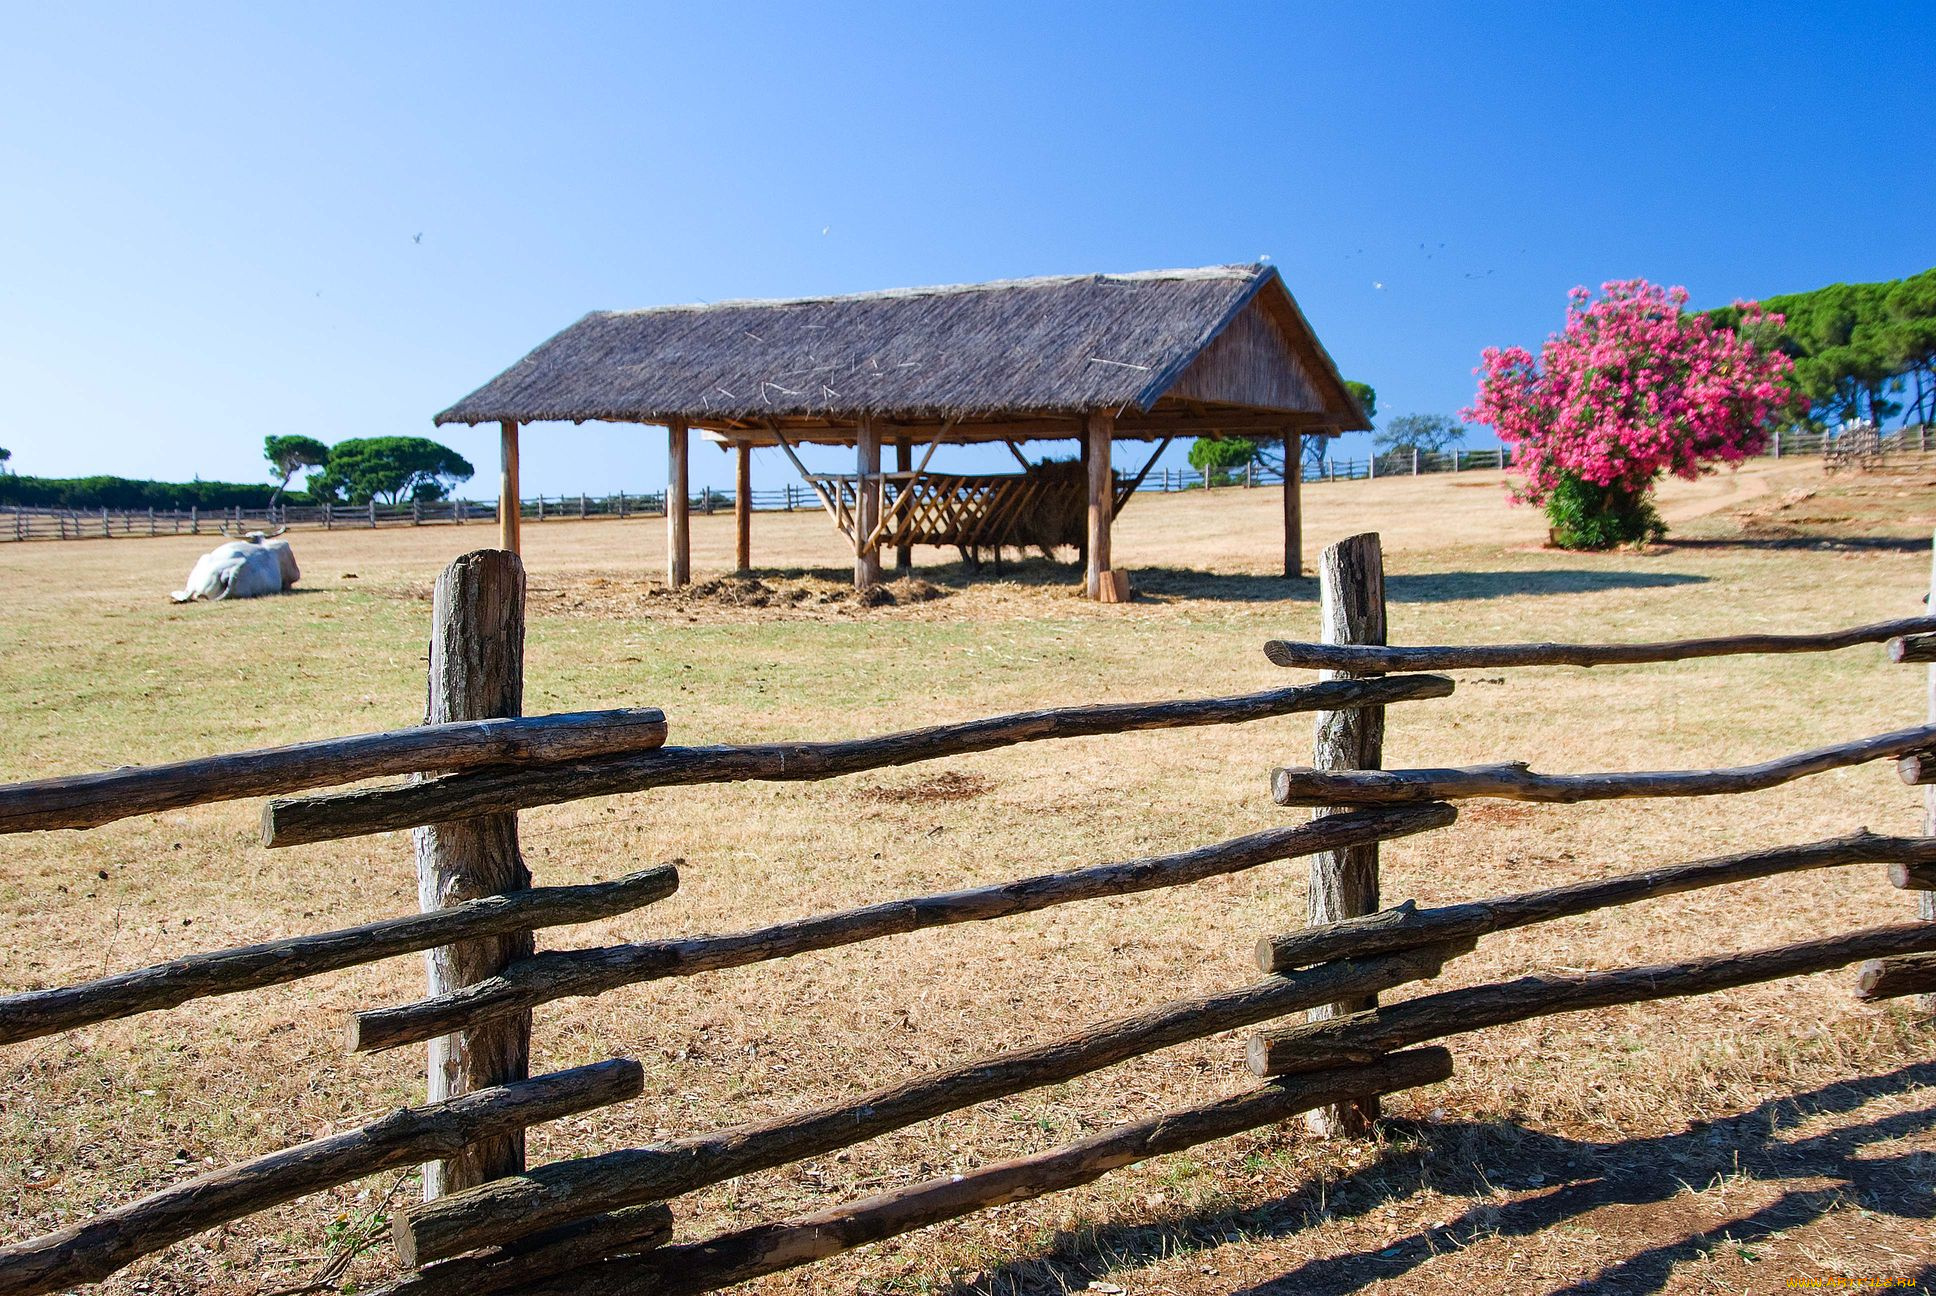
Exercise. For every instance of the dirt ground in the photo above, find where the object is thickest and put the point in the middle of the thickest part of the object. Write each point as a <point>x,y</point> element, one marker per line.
<point>1753,1141</point>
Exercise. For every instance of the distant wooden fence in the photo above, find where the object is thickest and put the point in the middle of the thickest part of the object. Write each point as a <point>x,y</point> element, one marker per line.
<point>20,522</point>
<point>601,1223</point>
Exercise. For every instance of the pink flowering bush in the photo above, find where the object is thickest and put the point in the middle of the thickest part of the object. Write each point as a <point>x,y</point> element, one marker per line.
<point>1630,390</point>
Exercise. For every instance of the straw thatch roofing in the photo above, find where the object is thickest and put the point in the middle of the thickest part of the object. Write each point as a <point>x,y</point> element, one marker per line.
<point>1009,358</point>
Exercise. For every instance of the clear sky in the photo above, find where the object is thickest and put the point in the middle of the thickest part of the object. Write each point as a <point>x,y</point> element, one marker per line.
<point>221,222</point>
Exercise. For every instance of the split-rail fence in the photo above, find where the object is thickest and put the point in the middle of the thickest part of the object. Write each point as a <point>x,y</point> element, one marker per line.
<point>603,1223</point>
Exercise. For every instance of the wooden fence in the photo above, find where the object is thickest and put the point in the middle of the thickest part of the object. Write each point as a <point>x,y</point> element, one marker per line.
<point>21,522</point>
<point>602,1223</point>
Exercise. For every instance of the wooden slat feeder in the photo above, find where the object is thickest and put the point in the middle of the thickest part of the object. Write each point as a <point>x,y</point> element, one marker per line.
<point>1044,508</point>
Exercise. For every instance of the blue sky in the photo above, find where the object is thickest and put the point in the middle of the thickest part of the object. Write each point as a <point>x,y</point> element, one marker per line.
<point>209,215</point>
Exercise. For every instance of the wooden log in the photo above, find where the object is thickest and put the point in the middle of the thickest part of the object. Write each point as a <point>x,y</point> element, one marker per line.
<point>510,535</point>
<point>1913,877</point>
<point>35,1013</point>
<point>1918,769</point>
<point>476,673</point>
<point>1913,648</point>
<point>1513,781</point>
<point>1407,925</point>
<point>560,974</point>
<point>95,1248</point>
<point>1098,431</point>
<point>1344,883</point>
<point>720,1262</point>
<point>90,800</point>
<point>350,814</point>
<point>600,1238</point>
<point>1318,1045</point>
<point>1369,660</point>
<point>1892,978</point>
<point>563,1190</point>
<point>678,507</point>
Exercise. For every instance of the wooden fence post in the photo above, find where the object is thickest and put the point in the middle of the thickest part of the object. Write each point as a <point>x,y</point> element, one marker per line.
<point>476,673</point>
<point>1926,900</point>
<point>1344,883</point>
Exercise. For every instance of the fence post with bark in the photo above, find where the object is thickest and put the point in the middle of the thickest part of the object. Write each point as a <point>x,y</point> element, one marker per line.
<point>476,673</point>
<point>1344,883</point>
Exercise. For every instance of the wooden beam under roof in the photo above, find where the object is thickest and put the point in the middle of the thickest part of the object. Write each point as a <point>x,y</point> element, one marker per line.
<point>1156,425</point>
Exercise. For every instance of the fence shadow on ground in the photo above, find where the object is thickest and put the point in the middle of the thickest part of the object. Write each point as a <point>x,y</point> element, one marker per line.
<point>1572,1178</point>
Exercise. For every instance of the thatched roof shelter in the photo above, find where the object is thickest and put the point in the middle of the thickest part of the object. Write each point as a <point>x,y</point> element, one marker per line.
<point>1222,350</point>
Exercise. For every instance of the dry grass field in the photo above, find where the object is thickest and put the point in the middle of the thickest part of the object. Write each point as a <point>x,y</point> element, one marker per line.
<point>1741,1142</point>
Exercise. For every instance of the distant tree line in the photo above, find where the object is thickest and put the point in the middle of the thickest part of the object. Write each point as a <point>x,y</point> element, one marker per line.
<point>1860,350</point>
<point>389,470</point>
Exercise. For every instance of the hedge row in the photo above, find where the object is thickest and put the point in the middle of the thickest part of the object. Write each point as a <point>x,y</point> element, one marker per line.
<point>127,493</point>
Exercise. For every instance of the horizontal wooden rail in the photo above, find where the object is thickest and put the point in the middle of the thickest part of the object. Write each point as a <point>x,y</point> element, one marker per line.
<point>559,974</point>
<point>1892,978</point>
<point>720,1262</point>
<point>93,1249</point>
<point>593,1240</point>
<point>1406,925</point>
<point>495,1212</point>
<point>1513,781</point>
<point>1368,659</point>
<point>464,796</point>
<point>90,800</point>
<point>1913,648</point>
<point>1345,1040</point>
<point>196,976</point>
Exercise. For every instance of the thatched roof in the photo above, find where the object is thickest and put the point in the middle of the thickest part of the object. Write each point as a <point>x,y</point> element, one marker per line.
<point>980,353</point>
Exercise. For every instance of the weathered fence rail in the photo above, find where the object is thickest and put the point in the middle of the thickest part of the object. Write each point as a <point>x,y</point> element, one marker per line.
<point>90,1251</point>
<point>1378,659</point>
<point>251,967</point>
<point>1513,781</point>
<point>296,821</point>
<point>1344,1040</point>
<point>601,1223</point>
<point>735,1257</point>
<point>90,800</point>
<point>561,974</point>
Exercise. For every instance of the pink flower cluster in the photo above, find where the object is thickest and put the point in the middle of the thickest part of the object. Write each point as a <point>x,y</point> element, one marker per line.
<point>1633,388</point>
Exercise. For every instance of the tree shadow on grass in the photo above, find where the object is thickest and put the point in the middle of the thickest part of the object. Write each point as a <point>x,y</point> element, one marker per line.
<point>1567,1178</point>
<point>1824,543</point>
<point>1181,584</point>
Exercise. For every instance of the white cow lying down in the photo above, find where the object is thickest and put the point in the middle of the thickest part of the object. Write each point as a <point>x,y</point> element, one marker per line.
<point>246,568</point>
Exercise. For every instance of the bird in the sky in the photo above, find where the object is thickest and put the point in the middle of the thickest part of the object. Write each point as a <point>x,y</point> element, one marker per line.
<point>417,237</point>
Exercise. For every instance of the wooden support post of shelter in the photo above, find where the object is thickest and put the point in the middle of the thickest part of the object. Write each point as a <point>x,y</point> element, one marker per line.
<point>678,506</point>
<point>1344,883</point>
<point>742,507</point>
<point>1293,503</point>
<point>508,536</point>
<point>1098,430</point>
<point>867,503</point>
<point>476,673</point>
<point>904,465</point>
